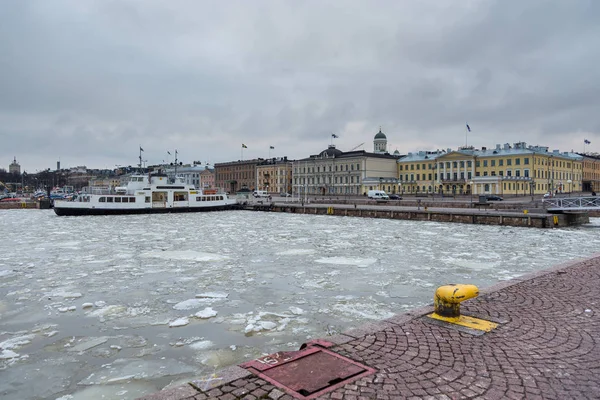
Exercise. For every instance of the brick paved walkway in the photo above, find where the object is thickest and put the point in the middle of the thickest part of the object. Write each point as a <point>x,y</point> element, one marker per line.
<point>547,348</point>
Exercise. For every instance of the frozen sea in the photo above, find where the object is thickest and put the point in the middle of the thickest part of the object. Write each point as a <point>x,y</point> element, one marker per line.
<point>121,306</point>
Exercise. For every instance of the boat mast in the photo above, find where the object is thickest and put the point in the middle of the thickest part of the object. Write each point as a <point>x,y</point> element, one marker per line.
<point>140,164</point>
<point>175,177</point>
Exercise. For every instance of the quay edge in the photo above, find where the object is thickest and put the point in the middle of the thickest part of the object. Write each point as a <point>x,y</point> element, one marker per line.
<point>464,216</point>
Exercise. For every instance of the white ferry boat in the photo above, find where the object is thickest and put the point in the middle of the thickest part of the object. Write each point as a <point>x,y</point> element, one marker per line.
<point>144,194</point>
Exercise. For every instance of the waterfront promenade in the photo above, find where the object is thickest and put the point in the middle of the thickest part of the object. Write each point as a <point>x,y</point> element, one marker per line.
<point>546,346</point>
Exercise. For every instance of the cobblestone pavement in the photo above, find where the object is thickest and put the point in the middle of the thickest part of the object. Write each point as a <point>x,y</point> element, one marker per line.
<point>547,348</point>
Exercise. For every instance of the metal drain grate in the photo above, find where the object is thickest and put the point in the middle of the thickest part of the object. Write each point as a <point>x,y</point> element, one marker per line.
<point>309,372</point>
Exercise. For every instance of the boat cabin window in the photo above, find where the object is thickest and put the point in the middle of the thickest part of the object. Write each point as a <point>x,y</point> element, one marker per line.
<point>102,199</point>
<point>117,199</point>
<point>147,199</point>
<point>132,199</point>
<point>180,196</point>
<point>109,199</point>
<point>125,199</point>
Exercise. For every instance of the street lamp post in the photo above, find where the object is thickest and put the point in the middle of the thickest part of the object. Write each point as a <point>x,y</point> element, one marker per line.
<point>570,182</point>
<point>471,190</point>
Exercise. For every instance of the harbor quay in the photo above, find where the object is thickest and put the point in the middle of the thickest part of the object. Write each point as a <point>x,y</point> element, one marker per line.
<point>537,339</point>
<point>487,214</point>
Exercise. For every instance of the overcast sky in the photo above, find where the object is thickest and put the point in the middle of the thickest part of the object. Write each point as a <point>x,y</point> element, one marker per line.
<point>88,82</point>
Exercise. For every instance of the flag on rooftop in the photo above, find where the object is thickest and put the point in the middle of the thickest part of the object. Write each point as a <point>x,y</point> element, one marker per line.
<point>334,135</point>
<point>272,147</point>
<point>468,128</point>
<point>141,148</point>
<point>587,141</point>
<point>244,146</point>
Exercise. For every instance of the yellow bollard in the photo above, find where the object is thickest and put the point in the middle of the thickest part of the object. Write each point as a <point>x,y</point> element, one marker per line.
<point>525,212</point>
<point>447,306</point>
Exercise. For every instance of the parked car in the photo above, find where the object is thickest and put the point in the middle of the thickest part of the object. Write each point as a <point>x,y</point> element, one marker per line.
<point>547,195</point>
<point>395,197</point>
<point>493,197</point>
<point>285,195</point>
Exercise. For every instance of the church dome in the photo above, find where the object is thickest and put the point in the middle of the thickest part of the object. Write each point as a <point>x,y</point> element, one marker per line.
<point>396,153</point>
<point>380,135</point>
<point>331,152</point>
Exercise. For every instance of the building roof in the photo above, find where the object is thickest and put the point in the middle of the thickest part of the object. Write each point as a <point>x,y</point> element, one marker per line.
<point>520,148</point>
<point>332,152</point>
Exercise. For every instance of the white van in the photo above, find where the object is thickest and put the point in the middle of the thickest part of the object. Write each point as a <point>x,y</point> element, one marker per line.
<point>260,193</point>
<point>377,195</point>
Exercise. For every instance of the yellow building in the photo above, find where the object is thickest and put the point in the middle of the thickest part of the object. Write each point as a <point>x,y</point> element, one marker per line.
<point>591,173</point>
<point>417,172</point>
<point>274,175</point>
<point>504,170</point>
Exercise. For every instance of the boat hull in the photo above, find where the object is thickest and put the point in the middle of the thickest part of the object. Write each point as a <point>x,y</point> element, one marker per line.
<point>71,211</point>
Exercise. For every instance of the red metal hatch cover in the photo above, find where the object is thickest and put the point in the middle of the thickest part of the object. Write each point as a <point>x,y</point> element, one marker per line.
<point>309,372</point>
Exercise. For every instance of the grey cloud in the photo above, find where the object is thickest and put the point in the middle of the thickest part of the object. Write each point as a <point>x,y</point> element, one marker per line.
<point>96,79</point>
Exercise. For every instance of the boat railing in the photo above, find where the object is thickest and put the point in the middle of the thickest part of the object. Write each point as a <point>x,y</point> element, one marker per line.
<point>100,190</point>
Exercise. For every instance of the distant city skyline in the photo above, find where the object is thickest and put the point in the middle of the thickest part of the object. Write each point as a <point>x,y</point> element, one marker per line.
<point>90,82</point>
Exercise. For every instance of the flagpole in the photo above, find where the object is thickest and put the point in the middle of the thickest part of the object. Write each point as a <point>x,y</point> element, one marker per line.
<point>466,135</point>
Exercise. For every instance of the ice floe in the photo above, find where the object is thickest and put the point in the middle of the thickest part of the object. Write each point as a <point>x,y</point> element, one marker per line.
<point>359,262</point>
<point>208,312</point>
<point>179,322</point>
<point>186,255</point>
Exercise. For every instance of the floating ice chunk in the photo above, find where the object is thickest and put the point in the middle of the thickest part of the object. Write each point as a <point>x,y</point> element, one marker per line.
<point>16,342</point>
<point>296,252</point>
<point>87,305</point>
<point>133,391</point>
<point>88,343</point>
<point>8,354</point>
<point>66,295</point>
<point>6,272</point>
<point>208,312</point>
<point>233,347</point>
<point>183,321</point>
<point>359,262</point>
<point>189,304</point>
<point>124,370</point>
<point>362,310</point>
<point>108,311</point>
<point>100,303</point>
<point>185,255</point>
<point>260,326</point>
<point>296,310</point>
<point>51,333</point>
<point>213,295</point>
<point>202,345</point>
